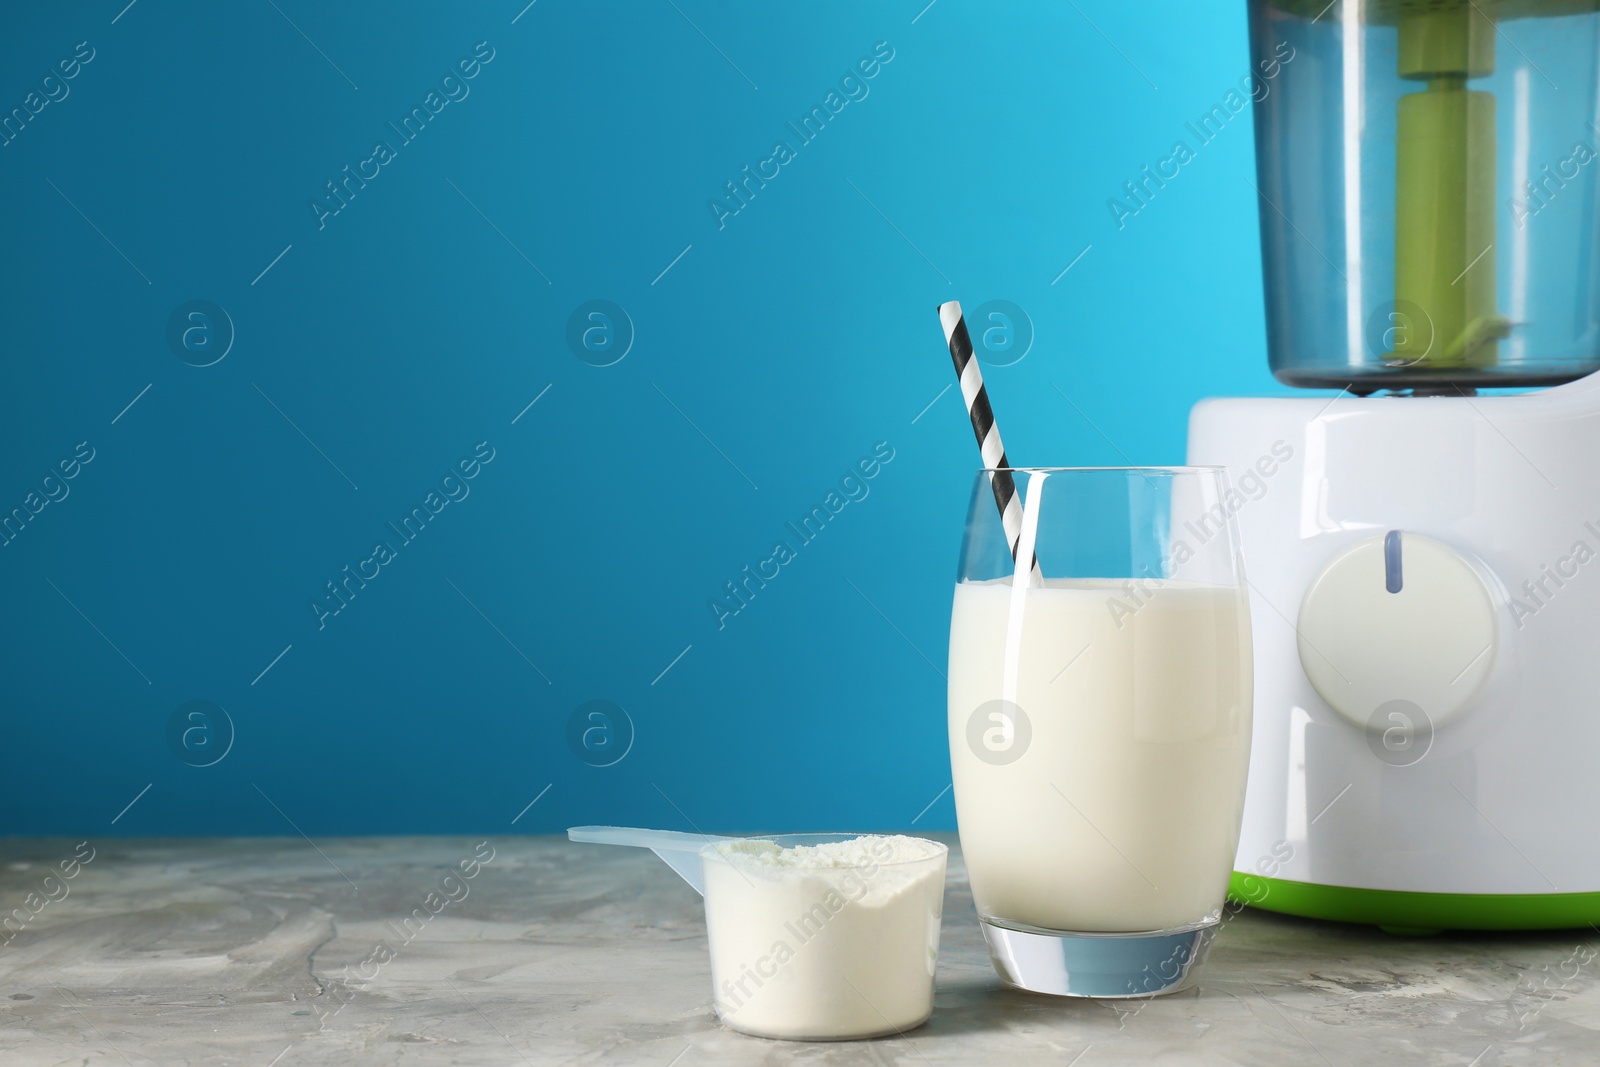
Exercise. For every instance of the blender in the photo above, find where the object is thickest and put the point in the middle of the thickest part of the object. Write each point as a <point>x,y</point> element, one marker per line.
<point>1424,547</point>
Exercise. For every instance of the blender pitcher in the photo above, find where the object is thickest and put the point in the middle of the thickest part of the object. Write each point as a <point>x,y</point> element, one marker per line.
<point>1429,176</point>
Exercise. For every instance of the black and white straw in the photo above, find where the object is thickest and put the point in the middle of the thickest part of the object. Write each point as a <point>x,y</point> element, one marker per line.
<point>984,427</point>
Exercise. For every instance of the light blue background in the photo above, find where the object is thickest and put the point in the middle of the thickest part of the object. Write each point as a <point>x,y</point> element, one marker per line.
<point>408,330</point>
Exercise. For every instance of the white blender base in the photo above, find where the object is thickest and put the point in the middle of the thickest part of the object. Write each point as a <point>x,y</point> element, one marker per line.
<point>1497,796</point>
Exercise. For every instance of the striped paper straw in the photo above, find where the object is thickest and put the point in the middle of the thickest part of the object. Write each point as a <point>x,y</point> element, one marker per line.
<point>984,427</point>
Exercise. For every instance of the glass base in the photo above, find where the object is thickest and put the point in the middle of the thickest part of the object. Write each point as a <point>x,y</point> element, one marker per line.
<point>1145,964</point>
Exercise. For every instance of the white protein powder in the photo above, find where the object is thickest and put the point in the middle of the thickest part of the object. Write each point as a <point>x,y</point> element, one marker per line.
<point>826,941</point>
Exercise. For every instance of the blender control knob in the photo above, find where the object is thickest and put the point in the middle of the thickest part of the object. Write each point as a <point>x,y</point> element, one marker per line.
<point>1397,618</point>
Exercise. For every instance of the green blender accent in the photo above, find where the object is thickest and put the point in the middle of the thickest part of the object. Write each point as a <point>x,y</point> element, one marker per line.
<point>1444,266</point>
<point>1417,914</point>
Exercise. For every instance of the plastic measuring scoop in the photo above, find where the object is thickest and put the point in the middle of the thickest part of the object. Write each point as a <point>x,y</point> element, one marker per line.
<point>679,850</point>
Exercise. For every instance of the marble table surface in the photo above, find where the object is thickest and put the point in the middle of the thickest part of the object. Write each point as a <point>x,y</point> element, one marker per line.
<point>281,953</point>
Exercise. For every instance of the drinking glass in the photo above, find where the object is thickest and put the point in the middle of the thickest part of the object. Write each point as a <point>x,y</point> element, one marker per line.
<point>1099,718</point>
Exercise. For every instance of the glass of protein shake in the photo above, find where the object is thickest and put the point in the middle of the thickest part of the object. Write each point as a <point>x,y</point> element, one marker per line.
<point>1099,718</point>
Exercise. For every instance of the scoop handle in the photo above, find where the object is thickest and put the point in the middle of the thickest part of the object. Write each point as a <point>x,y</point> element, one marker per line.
<point>678,850</point>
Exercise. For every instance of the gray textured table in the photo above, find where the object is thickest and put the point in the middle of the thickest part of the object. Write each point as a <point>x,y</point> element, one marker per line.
<point>269,953</point>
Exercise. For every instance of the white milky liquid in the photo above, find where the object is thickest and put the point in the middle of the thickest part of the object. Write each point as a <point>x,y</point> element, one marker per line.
<point>1122,812</point>
<point>828,941</point>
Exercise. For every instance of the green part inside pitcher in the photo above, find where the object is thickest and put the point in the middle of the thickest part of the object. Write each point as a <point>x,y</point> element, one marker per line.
<point>1444,270</point>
